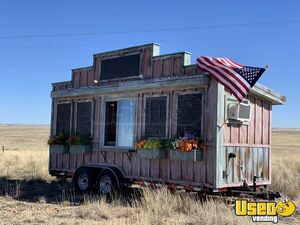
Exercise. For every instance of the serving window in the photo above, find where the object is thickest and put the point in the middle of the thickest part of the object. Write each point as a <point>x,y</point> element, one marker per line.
<point>63,118</point>
<point>119,123</point>
<point>84,118</point>
<point>189,115</point>
<point>156,116</point>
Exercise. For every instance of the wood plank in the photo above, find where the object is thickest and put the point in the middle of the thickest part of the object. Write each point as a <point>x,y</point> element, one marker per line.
<point>79,160</point>
<point>72,161</point>
<point>243,160</point>
<point>53,161</point>
<point>90,78</point>
<point>234,134</point>
<point>76,79</point>
<point>87,158</point>
<point>83,78</point>
<point>94,157</point>
<point>101,157</point>
<point>251,127</point>
<point>177,66</point>
<point>249,164</point>
<point>96,124</point>
<point>258,122</point>
<point>198,172</point>
<point>145,167</point>
<point>110,157</point>
<point>164,169</point>
<point>97,68</point>
<point>173,113</point>
<point>243,134</point>
<point>119,159</point>
<point>175,172</point>
<point>59,159</point>
<point>266,163</point>
<point>154,168</point>
<point>226,129</point>
<point>147,63</point>
<point>254,162</point>
<point>266,123</point>
<point>209,167</point>
<point>237,165</point>
<point>187,170</point>
<point>126,165</point>
<point>66,161</point>
<point>157,68</point>
<point>135,165</point>
<point>168,67</point>
<point>260,162</point>
<point>139,124</point>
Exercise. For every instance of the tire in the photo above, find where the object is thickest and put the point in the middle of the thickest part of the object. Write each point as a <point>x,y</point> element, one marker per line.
<point>107,185</point>
<point>83,180</point>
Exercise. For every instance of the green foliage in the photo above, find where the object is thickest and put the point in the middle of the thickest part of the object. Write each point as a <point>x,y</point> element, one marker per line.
<point>157,144</point>
<point>59,139</point>
<point>63,139</point>
<point>79,140</point>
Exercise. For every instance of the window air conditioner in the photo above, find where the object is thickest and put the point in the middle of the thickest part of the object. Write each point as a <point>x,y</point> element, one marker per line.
<point>240,112</point>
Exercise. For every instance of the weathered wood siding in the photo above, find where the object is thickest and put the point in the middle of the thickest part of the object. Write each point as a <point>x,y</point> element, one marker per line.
<point>152,66</point>
<point>249,162</point>
<point>258,132</point>
<point>251,144</point>
<point>163,170</point>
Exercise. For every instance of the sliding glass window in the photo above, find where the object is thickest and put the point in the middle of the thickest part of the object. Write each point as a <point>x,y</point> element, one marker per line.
<point>119,123</point>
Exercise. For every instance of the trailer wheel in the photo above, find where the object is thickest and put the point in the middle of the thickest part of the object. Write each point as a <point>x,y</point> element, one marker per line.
<point>83,180</point>
<point>107,185</point>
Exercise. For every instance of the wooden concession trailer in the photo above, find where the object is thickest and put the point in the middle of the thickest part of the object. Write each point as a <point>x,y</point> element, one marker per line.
<point>136,93</point>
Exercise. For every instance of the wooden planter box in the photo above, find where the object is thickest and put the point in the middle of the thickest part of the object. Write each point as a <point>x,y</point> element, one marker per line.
<point>152,153</point>
<point>59,148</point>
<point>80,149</point>
<point>194,155</point>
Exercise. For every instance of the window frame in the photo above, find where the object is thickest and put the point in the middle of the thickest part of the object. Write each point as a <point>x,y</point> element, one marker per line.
<point>104,100</point>
<point>203,98</point>
<point>167,113</point>
<point>56,115</point>
<point>76,114</point>
<point>229,99</point>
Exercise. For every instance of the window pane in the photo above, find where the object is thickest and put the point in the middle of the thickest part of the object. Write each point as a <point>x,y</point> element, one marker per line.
<point>84,114</point>
<point>156,108</point>
<point>125,133</point>
<point>120,67</point>
<point>189,115</point>
<point>63,118</point>
<point>110,123</point>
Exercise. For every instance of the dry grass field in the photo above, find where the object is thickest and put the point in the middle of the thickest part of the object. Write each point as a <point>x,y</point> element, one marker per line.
<point>28,195</point>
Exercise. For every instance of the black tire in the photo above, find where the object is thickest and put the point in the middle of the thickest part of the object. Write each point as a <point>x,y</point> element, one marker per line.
<point>107,185</point>
<point>83,180</point>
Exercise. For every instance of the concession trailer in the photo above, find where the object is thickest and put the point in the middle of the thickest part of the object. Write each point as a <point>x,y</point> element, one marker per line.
<point>134,94</point>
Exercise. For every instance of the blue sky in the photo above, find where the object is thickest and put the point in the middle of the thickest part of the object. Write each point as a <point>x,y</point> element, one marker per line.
<point>41,41</point>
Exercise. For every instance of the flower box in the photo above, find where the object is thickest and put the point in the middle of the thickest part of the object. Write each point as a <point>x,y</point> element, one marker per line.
<point>152,153</point>
<point>80,149</point>
<point>194,155</point>
<point>59,148</point>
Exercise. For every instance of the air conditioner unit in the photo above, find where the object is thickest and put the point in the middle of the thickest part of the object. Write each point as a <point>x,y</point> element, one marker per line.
<point>240,112</point>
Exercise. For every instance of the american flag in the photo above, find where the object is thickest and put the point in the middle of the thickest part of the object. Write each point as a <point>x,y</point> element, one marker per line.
<point>238,79</point>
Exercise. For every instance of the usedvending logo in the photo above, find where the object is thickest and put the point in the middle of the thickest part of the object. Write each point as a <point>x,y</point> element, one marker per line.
<point>264,211</point>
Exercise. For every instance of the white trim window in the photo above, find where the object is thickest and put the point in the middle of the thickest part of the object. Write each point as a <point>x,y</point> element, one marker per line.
<point>119,123</point>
